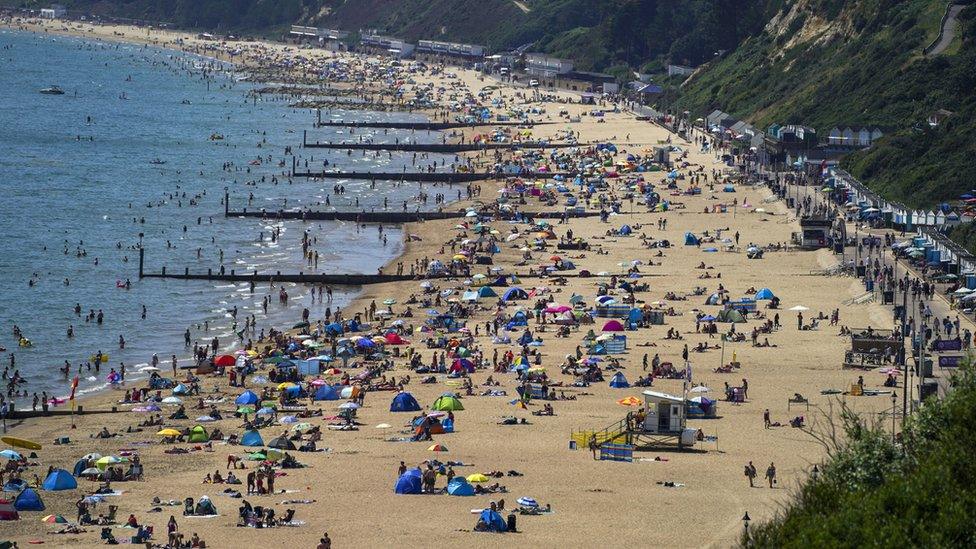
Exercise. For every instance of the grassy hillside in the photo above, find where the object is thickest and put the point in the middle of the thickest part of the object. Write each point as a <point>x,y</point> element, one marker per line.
<point>873,493</point>
<point>598,35</point>
<point>828,62</point>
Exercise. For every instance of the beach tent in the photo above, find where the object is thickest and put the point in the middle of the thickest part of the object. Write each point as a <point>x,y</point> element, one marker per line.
<point>459,487</point>
<point>281,443</point>
<point>59,479</point>
<point>404,402</point>
<point>619,381</point>
<point>633,318</point>
<point>626,230</point>
<point>493,520</point>
<point>80,466</point>
<point>181,390</point>
<point>198,434</point>
<point>730,315</point>
<point>326,392</point>
<point>8,511</point>
<point>613,326</point>
<point>247,398</point>
<point>28,500</point>
<point>394,338</point>
<point>486,291</point>
<point>447,403</point>
<point>765,293</point>
<point>713,299</point>
<point>514,293</point>
<point>409,482</point>
<point>691,240</point>
<point>252,438</point>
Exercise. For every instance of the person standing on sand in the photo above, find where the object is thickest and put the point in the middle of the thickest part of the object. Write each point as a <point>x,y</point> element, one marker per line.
<point>750,472</point>
<point>325,542</point>
<point>766,422</point>
<point>174,365</point>
<point>799,321</point>
<point>771,474</point>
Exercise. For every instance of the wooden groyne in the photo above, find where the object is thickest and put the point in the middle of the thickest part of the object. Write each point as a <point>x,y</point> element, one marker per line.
<point>423,126</point>
<point>445,148</point>
<point>392,218</point>
<point>354,279</point>
<point>423,177</point>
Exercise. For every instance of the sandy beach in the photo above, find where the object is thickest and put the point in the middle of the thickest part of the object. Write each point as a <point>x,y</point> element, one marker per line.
<point>350,486</point>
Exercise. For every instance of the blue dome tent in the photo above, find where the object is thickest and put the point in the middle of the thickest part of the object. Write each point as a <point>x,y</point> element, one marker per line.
<point>494,521</point>
<point>326,392</point>
<point>252,438</point>
<point>691,240</point>
<point>404,402</point>
<point>247,398</point>
<point>514,293</point>
<point>459,486</point>
<point>59,479</point>
<point>28,500</point>
<point>626,230</point>
<point>764,293</point>
<point>486,291</point>
<point>408,483</point>
<point>618,381</point>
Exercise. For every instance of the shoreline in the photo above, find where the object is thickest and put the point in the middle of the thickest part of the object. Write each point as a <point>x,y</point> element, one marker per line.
<point>602,496</point>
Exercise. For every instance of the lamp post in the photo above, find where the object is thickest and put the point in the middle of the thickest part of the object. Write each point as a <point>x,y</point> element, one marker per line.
<point>745,521</point>
<point>894,403</point>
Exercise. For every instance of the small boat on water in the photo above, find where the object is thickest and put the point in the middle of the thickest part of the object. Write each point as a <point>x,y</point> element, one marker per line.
<point>157,161</point>
<point>52,90</point>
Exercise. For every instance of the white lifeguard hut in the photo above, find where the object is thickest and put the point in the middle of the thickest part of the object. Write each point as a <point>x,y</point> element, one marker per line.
<point>665,420</point>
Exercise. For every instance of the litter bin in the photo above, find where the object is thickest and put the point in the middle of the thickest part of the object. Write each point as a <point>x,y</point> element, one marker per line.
<point>928,389</point>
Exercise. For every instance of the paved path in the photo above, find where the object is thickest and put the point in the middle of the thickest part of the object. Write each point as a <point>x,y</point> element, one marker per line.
<point>948,31</point>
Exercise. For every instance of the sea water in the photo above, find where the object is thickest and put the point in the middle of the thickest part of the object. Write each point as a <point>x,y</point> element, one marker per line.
<point>145,141</point>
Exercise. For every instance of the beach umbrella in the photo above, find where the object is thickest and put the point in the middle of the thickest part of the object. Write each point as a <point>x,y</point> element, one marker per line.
<point>389,301</point>
<point>108,460</point>
<point>168,433</point>
<point>477,478</point>
<point>304,426</point>
<point>348,406</point>
<point>9,454</point>
<point>288,419</point>
<point>245,410</point>
<point>799,308</point>
<point>55,519</point>
<point>630,401</point>
<point>171,400</point>
<point>225,360</point>
<point>700,389</point>
<point>526,501</point>
<point>90,472</point>
<point>437,448</point>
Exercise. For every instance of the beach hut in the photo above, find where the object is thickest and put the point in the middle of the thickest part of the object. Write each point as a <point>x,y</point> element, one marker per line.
<point>326,392</point>
<point>691,240</point>
<point>28,500</point>
<point>459,486</point>
<point>8,511</point>
<point>198,434</point>
<point>493,521</point>
<point>247,398</point>
<point>409,482</point>
<point>619,381</point>
<point>765,293</point>
<point>252,438</point>
<point>59,479</point>
<point>404,402</point>
<point>447,403</point>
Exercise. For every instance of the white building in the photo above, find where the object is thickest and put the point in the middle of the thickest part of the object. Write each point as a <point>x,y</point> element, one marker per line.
<point>539,64</point>
<point>387,45</point>
<point>451,49</point>
<point>56,11</point>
